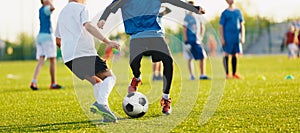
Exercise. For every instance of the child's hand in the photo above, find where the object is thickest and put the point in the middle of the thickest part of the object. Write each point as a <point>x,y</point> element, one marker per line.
<point>201,10</point>
<point>114,44</point>
<point>242,41</point>
<point>100,24</point>
<point>222,42</point>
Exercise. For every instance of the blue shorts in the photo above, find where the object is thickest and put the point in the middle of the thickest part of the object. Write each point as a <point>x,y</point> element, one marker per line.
<point>233,48</point>
<point>197,51</point>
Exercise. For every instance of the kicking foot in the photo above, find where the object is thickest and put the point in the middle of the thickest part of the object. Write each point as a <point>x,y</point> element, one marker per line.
<point>133,85</point>
<point>104,110</point>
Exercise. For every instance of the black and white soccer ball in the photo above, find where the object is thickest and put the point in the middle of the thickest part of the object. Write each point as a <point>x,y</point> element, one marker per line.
<point>135,104</point>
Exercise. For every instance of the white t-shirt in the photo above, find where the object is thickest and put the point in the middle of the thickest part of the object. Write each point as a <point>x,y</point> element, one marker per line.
<point>76,41</point>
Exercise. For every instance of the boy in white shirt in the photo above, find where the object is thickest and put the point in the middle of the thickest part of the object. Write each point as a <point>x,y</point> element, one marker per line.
<point>73,36</point>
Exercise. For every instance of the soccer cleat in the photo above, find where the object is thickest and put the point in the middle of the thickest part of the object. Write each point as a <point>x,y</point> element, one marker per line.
<point>166,106</point>
<point>159,77</point>
<point>104,110</point>
<point>55,86</point>
<point>192,77</point>
<point>154,78</point>
<point>228,76</point>
<point>236,76</point>
<point>204,77</point>
<point>133,85</point>
<point>33,86</point>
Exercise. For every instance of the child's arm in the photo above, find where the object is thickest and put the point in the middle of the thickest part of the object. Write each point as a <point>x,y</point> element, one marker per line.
<point>243,31</point>
<point>285,39</point>
<point>221,30</point>
<point>184,34</point>
<point>49,3</point>
<point>58,42</point>
<point>96,33</point>
<point>186,6</point>
<point>112,8</point>
<point>202,29</point>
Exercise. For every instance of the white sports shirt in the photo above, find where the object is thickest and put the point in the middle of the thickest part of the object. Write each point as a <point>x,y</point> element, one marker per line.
<point>76,41</point>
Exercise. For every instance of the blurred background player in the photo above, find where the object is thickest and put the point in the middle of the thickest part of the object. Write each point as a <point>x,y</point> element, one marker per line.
<point>45,47</point>
<point>196,51</point>
<point>212,45</point>
<point>291,41</point>
<point>232,35</point>
<point>74,35</point>
<point>147,38</point>
<point>157,66</point>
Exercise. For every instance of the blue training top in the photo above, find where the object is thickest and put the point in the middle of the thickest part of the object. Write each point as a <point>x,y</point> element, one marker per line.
<point>230,20</point>
<point>191,24</point>
<point>140,17</point>
<point>45,25</point>
<point>45,22</point>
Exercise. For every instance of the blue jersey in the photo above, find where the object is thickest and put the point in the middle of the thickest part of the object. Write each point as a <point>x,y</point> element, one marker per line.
<point>139,22</point>
<point>45,20</point>
<point>191,25</point>
<point>45,25</point>
<point>140,17</point>
<point>230,20</point>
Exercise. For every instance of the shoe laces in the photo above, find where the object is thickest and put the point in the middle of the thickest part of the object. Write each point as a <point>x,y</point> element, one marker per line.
<point>166,103</point>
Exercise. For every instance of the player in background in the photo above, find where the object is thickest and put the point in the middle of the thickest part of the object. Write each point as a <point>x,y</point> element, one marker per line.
<point>45,47</point>
<point>291,41</point>
<point>147,38</point>
<point>157,66</point>
<point>298,40</point>
<point>74,36</point>
<point>196,51</point>
<point>232,35</point>
<point>212,45</point>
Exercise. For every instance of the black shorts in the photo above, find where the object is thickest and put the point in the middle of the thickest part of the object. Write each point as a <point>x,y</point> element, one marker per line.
<point>152,46</point>
<point>87,66</point>
<point>155,55</point>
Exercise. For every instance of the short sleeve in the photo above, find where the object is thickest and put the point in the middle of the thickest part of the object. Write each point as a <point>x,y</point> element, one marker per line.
<point>47,10</point>
<point>84,16</point>
<point>185,22</point>
<point>241,18</point>
<point>222,19</point>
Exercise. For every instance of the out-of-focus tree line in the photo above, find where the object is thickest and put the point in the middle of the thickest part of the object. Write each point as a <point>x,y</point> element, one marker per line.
<point>24,48</point>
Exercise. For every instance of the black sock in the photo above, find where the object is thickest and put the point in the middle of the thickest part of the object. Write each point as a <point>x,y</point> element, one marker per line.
<point>234,64</point>
<point>225,63</point>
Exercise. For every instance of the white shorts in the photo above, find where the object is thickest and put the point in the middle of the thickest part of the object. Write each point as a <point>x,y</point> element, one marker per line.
<point>293,49</point>
<point>186,51</point>
<point>47,49</point>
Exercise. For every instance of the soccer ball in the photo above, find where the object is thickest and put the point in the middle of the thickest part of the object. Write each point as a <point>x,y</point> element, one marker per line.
<point>135,104</point>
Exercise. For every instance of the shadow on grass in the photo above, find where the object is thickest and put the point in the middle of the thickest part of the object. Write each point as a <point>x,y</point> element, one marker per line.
<point>65,125</point>
<point>49,127</point>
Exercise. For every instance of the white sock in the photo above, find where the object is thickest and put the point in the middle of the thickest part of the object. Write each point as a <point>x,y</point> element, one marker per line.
<point>138,79</point>
<point>166,96</point>
<point>96,91</point>
<point>103,89</point>
<point>34,81</point>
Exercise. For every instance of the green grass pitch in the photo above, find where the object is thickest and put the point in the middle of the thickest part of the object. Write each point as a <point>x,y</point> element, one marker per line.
<point>264,101</point>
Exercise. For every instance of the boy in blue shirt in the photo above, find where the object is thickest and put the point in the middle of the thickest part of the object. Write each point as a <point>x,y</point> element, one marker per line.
<point>196,51</point>
<point>147,38</point>
<point>45,47</point>
<point>232,35</point>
